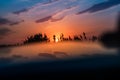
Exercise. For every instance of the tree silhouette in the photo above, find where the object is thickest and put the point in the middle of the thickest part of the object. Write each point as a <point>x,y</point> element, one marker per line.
<point>45,37</point>
<point>62,37</point>
<point>94,38</point>
<point>84,34</point>
<point>70,38</point>
<point>36,38</point>
<point>81,37</point>
<point>76,38</point>
<point>112,39</point>
<point>54,38</point>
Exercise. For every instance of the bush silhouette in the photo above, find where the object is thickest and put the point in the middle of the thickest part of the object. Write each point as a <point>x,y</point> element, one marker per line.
<point>111,39</point>
<point>36,38</point>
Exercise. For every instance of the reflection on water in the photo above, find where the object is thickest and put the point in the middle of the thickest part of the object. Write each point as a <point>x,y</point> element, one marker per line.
<point>59,50</point>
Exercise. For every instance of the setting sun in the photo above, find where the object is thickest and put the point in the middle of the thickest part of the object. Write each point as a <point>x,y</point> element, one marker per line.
<point>56,40</point>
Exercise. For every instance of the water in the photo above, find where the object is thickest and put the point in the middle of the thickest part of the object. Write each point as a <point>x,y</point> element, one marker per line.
<point>53,51</point>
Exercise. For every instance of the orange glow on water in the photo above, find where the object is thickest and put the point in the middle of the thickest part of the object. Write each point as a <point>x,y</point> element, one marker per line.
<point>65,50</point>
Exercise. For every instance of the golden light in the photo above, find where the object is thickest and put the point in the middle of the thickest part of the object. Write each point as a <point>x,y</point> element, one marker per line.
<point>57,40</point>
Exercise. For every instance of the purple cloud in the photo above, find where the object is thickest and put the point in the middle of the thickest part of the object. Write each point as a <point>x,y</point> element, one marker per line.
<point>4,21</point>
<point>15,23</point>
<point>101,6</point>
<point>20,11</point>
<point>4,32</point>
<point>54,20</point>
<point>44,19</point>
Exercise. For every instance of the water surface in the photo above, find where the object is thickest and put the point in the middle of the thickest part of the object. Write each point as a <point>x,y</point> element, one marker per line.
<point>53,51</point>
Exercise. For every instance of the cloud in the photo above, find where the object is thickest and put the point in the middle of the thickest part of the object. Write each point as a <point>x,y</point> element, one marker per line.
<point>4,61</point>
<point>50,1</point>
<point>11,59</point>
<point>54,20</point>
<point>40,4</point>
<point>18,57</point>
<point>4,51</point>
<point>10,21</point>
<point>4,21</point>
<point>40,12</point>
<point>56,10</point>
<point>62,14</point>
<point>4,32</point>
<point>20,11</point>
<point>55,55</point>
<point>16,23</point>
<point>60,54</point>
<point>101,6</point>
<point>44,19</point>
<point>47,55</point>
<point>27,9</point>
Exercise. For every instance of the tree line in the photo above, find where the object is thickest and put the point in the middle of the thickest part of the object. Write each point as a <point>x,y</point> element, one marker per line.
<point>44,38</point>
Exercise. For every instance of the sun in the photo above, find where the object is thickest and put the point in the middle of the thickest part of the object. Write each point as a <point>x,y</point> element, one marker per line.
<point>57,40</point>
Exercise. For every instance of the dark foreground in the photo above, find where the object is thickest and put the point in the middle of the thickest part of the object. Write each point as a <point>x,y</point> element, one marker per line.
<point>97,67</point>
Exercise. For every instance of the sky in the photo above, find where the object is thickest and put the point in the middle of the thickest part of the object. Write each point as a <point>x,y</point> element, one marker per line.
<point>22,18</point>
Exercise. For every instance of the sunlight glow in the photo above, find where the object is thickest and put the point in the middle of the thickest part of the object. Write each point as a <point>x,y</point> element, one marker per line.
<point>57,40</point>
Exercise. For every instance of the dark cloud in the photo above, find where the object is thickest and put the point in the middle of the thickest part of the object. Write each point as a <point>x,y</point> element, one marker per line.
<point>55,55</point>
<point>4,32</point>
<point>48,18</point>
<point>50,1</point>
<point>4,21</point>
<point>101,6</point>
<point>18,57</point>
<point>4,61</point>
<point>27,9</point>
<point>61,54</point>
<point>44,19</point>
<point>20,11</point>
<point>54,20</point>
<point>4,51</point>
<point>16,23</point>
<point>47,55</point>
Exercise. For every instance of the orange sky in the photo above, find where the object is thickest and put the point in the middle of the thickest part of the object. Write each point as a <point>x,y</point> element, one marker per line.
<point>69,26</point>
<point>70,17</point>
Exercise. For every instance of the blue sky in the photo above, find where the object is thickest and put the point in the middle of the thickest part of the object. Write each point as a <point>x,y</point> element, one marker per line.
<point>7,6</point>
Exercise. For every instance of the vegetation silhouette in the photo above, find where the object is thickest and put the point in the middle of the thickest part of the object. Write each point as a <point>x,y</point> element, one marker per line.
<point>112,39</point>
<point>37,38</point>
<point>76,38</point>
<point>44,38</point>
<point>83,37</point>
<point>84,34</point>
<point>54,38</point>
<point>70,38</point>
<point>94,38</point>
<point>62,37</point>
